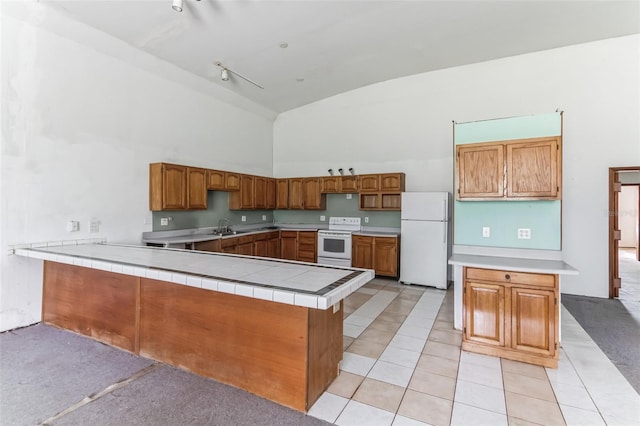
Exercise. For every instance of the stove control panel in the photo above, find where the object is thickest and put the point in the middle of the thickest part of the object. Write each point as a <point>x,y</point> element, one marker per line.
<point>345,223</point>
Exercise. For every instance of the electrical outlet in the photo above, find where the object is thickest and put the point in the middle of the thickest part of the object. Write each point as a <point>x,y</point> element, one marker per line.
<point>486,232</point>
<point>524,233</point>
<point>94,226</point>
<point>73,226</point>
<point>243,218</point>
<point>322,218</point>
<point>366,219</point>
<point>349,196</point>
<point>148,220</point>
<point>264,217</point>
<point>164,221</point>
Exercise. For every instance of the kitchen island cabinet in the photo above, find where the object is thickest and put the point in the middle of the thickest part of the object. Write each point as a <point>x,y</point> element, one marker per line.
<point>217,315</point>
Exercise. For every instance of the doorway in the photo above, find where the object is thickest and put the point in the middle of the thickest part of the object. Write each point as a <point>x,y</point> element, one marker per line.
<point>622,216</point>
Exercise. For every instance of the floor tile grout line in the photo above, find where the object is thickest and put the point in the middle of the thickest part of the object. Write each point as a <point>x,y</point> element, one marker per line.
<point>95,396</point>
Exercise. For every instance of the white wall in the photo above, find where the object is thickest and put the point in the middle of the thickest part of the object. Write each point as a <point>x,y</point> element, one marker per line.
<point>406,125</point>
<point>628,219</point>
<point>80,125</point>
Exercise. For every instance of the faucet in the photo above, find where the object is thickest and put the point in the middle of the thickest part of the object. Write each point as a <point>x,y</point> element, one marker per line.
<point>224,225</point>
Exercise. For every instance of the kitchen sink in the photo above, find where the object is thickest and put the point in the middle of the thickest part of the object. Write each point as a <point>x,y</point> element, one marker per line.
<point>227,233</point>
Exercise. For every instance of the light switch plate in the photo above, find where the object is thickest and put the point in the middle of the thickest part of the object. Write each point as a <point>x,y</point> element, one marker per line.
<point>486,232</point>
<point>322,218</point>
<point>164,221</point>
<point>349,196</point>
<point>244,218</point>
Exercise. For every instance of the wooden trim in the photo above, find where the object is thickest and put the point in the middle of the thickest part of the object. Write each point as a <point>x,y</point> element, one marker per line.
<point>614,188</point>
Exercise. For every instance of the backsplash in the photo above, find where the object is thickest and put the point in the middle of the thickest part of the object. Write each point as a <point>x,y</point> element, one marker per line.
<point>218,201</point>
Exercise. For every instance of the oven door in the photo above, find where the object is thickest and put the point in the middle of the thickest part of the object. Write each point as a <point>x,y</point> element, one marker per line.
<point>334,244</point>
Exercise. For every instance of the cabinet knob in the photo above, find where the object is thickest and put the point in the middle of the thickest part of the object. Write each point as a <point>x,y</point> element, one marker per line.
<point>507,277</point>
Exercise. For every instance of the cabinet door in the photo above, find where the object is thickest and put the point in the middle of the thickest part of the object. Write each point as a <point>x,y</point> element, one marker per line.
<point>259,192</point>
<point>296,193</point>
<point>174,187</point>
<point>197,188</point>
<point>330,185</point>
<point>232,181</point>
<point>313,199</point>
<point>289,245</point>
<point>385,258</point>
<point>212,245</point>
<point>533,321</point>
<point>484,313</point>
<point>307,246</point>
<point>282,193</point>
<point>480,170</point>
<point>246,249</point>
<point>216,180</point>
<point>271,194</point>
<point>260,248</point>
<point>532,169</point>
<point>362,252</point>
<point>392,182</point>
<point>369,183</point>
<point>349,184</point>
<point>273,247</point>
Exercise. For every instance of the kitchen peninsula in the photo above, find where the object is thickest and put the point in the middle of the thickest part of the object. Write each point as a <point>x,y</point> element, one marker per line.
<point>271,327</point>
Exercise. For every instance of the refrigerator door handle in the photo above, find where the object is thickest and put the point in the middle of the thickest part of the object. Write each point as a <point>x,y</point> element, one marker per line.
<point>444,210</point>
<point>444,232</point>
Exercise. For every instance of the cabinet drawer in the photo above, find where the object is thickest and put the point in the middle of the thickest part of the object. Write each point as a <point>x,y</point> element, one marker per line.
<point>228,242</point>
<point>261,236</point>
<point>245,239</point>
<point>544,280</point>
<point>307,239</point>
<point>289,234</point>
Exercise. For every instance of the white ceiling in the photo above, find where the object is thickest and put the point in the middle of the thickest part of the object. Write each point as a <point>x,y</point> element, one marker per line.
<point>336,46</point>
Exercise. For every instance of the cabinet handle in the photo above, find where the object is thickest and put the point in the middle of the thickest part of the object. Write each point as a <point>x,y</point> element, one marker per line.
<point>507,277</point>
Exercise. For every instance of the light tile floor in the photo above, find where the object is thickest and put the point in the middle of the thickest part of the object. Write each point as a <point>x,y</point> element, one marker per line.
<point>403,366</point>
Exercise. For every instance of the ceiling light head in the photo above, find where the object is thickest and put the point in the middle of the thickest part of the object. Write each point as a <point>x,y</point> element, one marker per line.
<point>224,74</point>
<point>177,5</point>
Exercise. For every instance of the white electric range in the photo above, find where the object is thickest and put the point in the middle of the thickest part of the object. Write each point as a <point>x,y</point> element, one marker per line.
<point>334,244</point>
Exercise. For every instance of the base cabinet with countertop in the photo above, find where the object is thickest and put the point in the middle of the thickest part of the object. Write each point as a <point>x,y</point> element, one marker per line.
<point>378,253</point>
<point>299,245</point>
<point>512,315</point>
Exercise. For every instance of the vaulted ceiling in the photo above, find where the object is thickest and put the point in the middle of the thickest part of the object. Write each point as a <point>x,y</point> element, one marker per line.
<point>337,46</point>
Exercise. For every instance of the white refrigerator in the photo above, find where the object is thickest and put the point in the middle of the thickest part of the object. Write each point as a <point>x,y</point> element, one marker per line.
<point>425,238</point>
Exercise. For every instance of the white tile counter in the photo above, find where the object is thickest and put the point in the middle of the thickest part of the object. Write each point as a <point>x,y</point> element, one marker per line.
<point>283,281</point>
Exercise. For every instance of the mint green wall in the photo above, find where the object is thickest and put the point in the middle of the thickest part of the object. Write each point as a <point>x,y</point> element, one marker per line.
<point>337,205</point>
<point>218,203</point>
<point>505,217</point>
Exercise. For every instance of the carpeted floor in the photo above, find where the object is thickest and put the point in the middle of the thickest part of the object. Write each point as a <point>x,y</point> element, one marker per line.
<point>44,371</point>
<point>614,324</point>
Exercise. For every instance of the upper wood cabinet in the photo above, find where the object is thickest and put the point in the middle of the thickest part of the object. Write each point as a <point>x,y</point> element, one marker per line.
<point>296,193</point>
<point>196,188</point>
<point>533,169</point>
<point>271,194</point>
<point>244,198</point>
<point>313,199</point>
<point>176,187</point>
<point>521,169</point>
<point>339,184</point>
<point>259,192</point>
<point>282,193</point>
<point>381,191</point>
<point>218,180</point>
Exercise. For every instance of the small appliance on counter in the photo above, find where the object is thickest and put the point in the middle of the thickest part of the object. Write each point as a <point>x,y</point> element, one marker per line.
<point>334,244</point>
<point>425,238</point>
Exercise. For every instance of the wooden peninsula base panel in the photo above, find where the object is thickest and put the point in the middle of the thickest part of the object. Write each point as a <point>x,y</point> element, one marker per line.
<point>285,353</point>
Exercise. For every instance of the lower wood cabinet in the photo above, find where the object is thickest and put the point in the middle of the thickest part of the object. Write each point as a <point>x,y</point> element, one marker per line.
<point>378,253</point>
<point>289,245</point>
<point>299,245</point>
<point>512,315</point>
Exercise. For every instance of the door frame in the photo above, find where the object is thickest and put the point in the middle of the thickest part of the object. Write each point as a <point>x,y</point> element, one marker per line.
<point>614,232</point>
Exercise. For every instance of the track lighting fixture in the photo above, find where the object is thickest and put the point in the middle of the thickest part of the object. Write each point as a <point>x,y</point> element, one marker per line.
<point>177,5</point>
<point>330,172</point>
<point>353,172</point>
<point>341,172</point>
<point>224,75</point>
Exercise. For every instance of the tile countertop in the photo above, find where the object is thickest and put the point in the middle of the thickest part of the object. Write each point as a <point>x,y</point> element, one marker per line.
<point>513,264</point>
<point>366,233</point>
<point>277,280</point>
